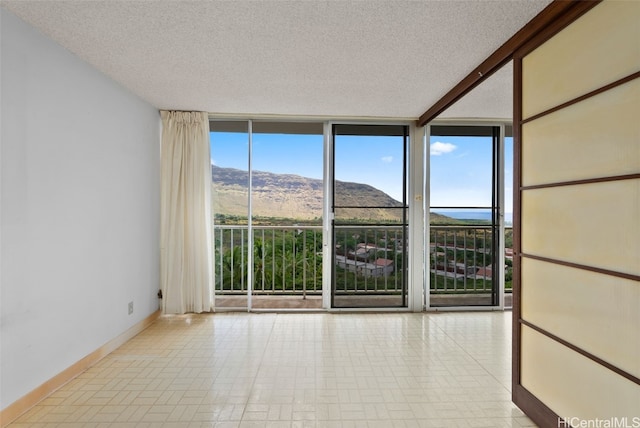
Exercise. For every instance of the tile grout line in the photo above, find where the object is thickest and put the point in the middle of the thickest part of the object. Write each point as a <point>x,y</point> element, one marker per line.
<point>262,359</point>
<point>474,359</point>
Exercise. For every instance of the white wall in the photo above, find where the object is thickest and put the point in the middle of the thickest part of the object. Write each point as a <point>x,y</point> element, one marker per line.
<point>79,209</point>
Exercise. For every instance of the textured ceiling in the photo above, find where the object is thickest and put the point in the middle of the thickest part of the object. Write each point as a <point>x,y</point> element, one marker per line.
<point>322,58</point>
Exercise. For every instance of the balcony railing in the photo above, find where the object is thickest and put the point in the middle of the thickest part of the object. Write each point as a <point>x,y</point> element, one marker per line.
<point>461,259</point>
<point>370,259</point>
<point>287,260</point>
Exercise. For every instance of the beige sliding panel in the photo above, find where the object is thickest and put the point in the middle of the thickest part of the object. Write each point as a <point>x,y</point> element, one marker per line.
<point>577,223</point>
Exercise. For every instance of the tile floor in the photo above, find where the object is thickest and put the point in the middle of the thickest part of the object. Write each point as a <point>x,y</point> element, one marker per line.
<point>298,370</point>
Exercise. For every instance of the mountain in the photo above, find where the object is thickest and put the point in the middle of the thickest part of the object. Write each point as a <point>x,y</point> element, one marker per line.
<point>293,196</point>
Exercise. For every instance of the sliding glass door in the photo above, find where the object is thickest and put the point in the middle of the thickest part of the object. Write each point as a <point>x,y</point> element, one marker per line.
<point>286,215</point>
<point>230,201</point>
<point>370,216</point>
<point>274,182</point>
<point>466,245</point>
<point>268,195</point>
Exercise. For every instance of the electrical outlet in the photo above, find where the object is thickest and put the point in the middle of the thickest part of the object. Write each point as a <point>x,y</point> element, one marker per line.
<point>130,308</point>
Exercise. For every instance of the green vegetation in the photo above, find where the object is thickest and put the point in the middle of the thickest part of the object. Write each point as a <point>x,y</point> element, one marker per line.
<point>508,238</point>
<point>457,285</point>
<point>239,220</point>
<point>350,282</point>
<point>287,261</point>
<point>290,260</point>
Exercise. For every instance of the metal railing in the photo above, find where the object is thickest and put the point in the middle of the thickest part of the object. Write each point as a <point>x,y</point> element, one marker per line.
<point>286,259</point>
<point>370,259</point>
<point>461,259</point>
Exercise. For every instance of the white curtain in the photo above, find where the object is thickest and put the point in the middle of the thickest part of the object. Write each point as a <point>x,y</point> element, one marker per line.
<point>185,237</point>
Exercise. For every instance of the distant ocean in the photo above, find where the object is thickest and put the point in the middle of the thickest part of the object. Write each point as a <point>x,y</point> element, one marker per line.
<point>474,215</point>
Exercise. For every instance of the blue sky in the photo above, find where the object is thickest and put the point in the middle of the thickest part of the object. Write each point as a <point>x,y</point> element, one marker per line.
<point>460,166</point>
<point>376,161</point>
<point>461,171</point>
<point>281,154</point>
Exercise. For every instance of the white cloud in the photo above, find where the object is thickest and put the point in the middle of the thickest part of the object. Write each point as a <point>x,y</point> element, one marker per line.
<point>387,159</point>
<point>213,162</point>
<point>439,148</point>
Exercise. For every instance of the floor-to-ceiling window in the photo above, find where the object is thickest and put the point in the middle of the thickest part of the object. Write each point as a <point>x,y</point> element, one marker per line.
<point>273,183</point>
<point>466,242</point>
<point>370,216</point>
<point>508,220</point>
<point>286,208</point>
<point>230,202</point>
<point>268,198</point>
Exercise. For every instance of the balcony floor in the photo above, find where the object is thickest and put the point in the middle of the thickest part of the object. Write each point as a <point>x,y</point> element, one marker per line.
<point>298,370</point>
<point>314,302</point>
